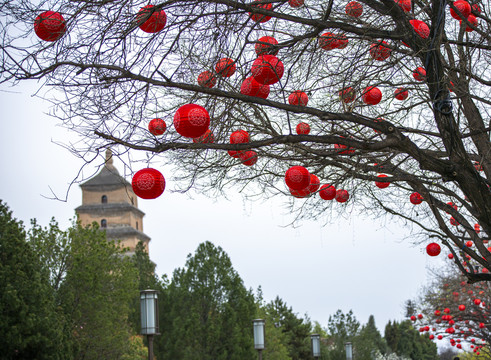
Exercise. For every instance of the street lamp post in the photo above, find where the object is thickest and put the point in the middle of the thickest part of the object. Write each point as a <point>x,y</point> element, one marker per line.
<point>316,345</point>
<point>149,307</point>
<point>258,326</point>
<point>349,351</point>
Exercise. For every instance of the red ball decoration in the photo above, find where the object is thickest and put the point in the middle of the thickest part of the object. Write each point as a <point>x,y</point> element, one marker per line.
<point>401,94</point>
<point>298,98</point>
<point>314,184</point>
<point>454,222</point>
<point>297,178</point>
<point>382,184</point>
<point>473,20</point>
<point>260,17</point>
<point>437,312</point>
<point>157,126</point>
<point>303,129</point>
<point>446,310</point>
<point>469,243</point>
<point>404,4</point>
<point>481,325</point>
<point>342,196</point>
<point>420,28</point>
<point>300,194</point>
<point>477,228</point>
<point>329,41</point>
<point>433,249</point>
<point>477,301</point>
<point>379,52</point>
<point>49,26</point>
<point>431,336</point>
<point>251,87</point>
<point>440,337</point>
<point>371,95</point>
<point>347,95</point>
<point>248,157</point>
<point>413,318</point>
<point>239,137</point>
<point>206,138</point>
<point>148,183</point>
<point>225,67</point>
<point>450,256</point>
<point>419,74</point>
<point>327,192</point>
<point>191,120</point>
<point>342,41</point>
<point>207,79</point>
<point>267,69</point>
<point>461,307</point>
<point>154,20</point>
<point>476,9</point>
<point>295,3</point>
<point>263,47</point>
<point>464,8</point>
<point>354,9</point>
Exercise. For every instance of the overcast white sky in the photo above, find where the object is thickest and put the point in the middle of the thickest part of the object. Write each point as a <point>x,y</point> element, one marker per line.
<point>354,263</point>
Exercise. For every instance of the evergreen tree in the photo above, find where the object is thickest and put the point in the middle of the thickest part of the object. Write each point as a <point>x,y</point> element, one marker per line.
<point>342,328</point>
<point>369,341</point>
<point>404,340</point>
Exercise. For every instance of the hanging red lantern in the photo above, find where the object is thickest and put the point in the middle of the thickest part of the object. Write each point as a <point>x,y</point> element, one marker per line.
<point>263,47</point>
<point>342,196</point>
<point>419,74</point>
<point>303,129</point>
<point>433,249</point>
<point>239,137</point>
<point>431,336</point>
<point>157,126</point>
<point>401,94</point>
<point>347,95</point>
<point>314,184</point>
<point>413,318</point>
<point>461,307</point>
<point>481,326</point>
<point>473,20</point>
<point>153,20</point>
<point>300,194</point>
<point>327,192</point>
<point>225,67</point>
<point>420,28</point>
<point>298,98</point>
<point>454,222</point>
<point>476,9</point>
<point>191,120</point>
<point>207,79</point>
<point>267,69</point>
<point>330,41</point>
<point>297,178</point>
<point>371,95</point>
<point>404,4</point>
<point>468,243</point>
<point>248,157</point>
<point>382,184</point>
<point>49,26</point>
<point>450,256</point>
<point>437,312</point>
<point>206,138</point>
<point>446,310</point>
<point>342,41</point>
<point>354,9</point>
<point>415,198</point>
<point>148,183</point>
<point>440,337</point>
<point>477,301</point>
<point>464,8</point>
<point>251,87</point>
<point>477,228</point>
<point>380,52</point>
<point>295,3</point>
<point>420,316</point>
<point>260,17</point>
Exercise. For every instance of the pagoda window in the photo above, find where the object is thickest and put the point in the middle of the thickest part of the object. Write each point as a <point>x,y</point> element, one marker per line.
<point>103,223</point>
<point>104,199</point>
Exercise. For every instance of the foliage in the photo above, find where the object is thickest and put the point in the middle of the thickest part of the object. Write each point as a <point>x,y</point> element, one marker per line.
<point>404,340</point>
<point>369,341</point>
<point>342,328</point>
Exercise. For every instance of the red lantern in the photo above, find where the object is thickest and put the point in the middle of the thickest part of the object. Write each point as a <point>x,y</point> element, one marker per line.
<point>379,52</point>
<point>239,137</point>
<point>330,41</point>
<point>297,178</point>
<point>264,46</point>
<point>454,222</point>
<point>433,249</point>
<point>251,87</point>
<point>267,69</point>
<point>468,243</point>
<point>473,20</point>
<point>207,79</point>
<point>298,98</point>
<point>148,183</point>
<point>300,194</point>
<point>347,95</point>
<point>404,4</point>
<point>413,318</point>
<point>459,346</point>
<point>327,192</point>
<point>371,95</point>
<point>463,7</point>
<point>481,326</point>
<point>314,184</point>
<point>446,310</point>
<point>477,301</point>
<point>450,256</point>
<point>157,126</point>
<point>225,67</point>
<point>49,26</point>
<point>259,17</point>
<point>191,120</point>
<point>303,129</point>
<point>477,228</point>
<point>432,336</point>
<point>462,307</point>
<point>342,196</point>
<point>295,3</point>
<point>381,184</point>
<point>401,94</point>
<point>206,138</point>
<point>476,9</point>
<point>248,157</point>
<point>415,198</point>
<point>354,9</point>
<point>420,316</point>
<point>437,312</point>
<point>440,337</point>
<point>420,28</point>
<point>154,20</point>
<point>342,41</point>
<point>419,74</point>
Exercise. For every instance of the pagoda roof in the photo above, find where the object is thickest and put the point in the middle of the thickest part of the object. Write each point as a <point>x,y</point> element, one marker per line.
<point>107,179</point>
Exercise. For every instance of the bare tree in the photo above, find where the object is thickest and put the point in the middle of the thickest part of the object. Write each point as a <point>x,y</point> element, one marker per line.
<point>115,65</point>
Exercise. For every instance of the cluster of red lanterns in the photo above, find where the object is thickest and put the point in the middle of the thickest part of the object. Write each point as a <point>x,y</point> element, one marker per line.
<point>466,10</point>
<point>248,157</point>
<point>148,183</point>
<point>329,192</point>
<point>251,87</point>
<point>225,67</point>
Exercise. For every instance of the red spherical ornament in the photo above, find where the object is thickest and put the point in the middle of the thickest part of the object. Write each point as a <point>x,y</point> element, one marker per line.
<point>295,3</point>
<point>450,256</point>
<point>462,307</point>
<point>314,184</point>
<point>404,4</point>
<point>248,157</point>
<point>225,67</point>
<point>382,184</point>
<point>263,47</point>
<point>207,79</point>
<point>446,310</point>
<point>297,178</point>
<point>342,196</point>
<point>454,222</point>
<point>153,20</point>
<point>420,28</point>
<point>49,26</point>
<point>206,138</point>
<point>371,95</point>
<point>303,193</point>
<point>379,52</point>
<point>234,154</point>
<point>440,337</point>
<point>477,301</point>
<point>476,9</point>
<point>477,228</point>
<point>431,336</point>
<point>481,325</point>
<point>468,243</point>
<point>459,346</point>
<point>329,41</point>
<point>473,20</point>
<point>239,137</point>
<point>413,318</point>
<point>401,94</point>
<point>327,192</point>
<point>298,98</point>
<point>419,74</point>
<point>191,120</point>
<point>420,316</point>
<point>342,41</point>
<point>437,312</point>
<point>354,9</point>
<point>303,129</point>
<point>464,8</point>
<point>251,87</point>
<point>347,95</point>
<point>148,183</point>
<point>157,126</point>
<point>433,249</point>
<point>267,69</point>
<point>260,17</point>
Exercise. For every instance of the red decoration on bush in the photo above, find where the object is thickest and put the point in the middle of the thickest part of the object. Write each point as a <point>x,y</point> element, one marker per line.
<point>420,28</point>
<point>49,26</point>
<point>450,256</point>
<point>419,74</point>
<point>401,94</point>
<point>354,9</point>
<point>342,196</point>
<point>464,8</point>
<point>473,20</point>
<point>297,178</point>
<point>148,183</point>
<point>248,157</point>
<point>461,307</point>
<point>371,95</point>
<point>303,129</point>
<point>295,3</point>
<point>420,316</point>
<point>259,17</point>
<point>382,184</point>
<point>267,69</point>
<point>157,126</point>
<point>239,137</point>
<point>477,228</point>
<point>206,138</point>
<point>433,249</point>
<point>251,87</point>
<point>314,184</point>
<point>379,52</point>
<point>207,79</point>
<point>155,19</point>
<point>347,95</point>
<point>298,98</point>
<point>265,49</point>
<point>477,301</point>
<point>225,67</point>
<point>468,243</point>
<point>404,4</point>
<point>191,120</point>
<point>416,198</point>
<point>413,318</point>
<point>327,192</point>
